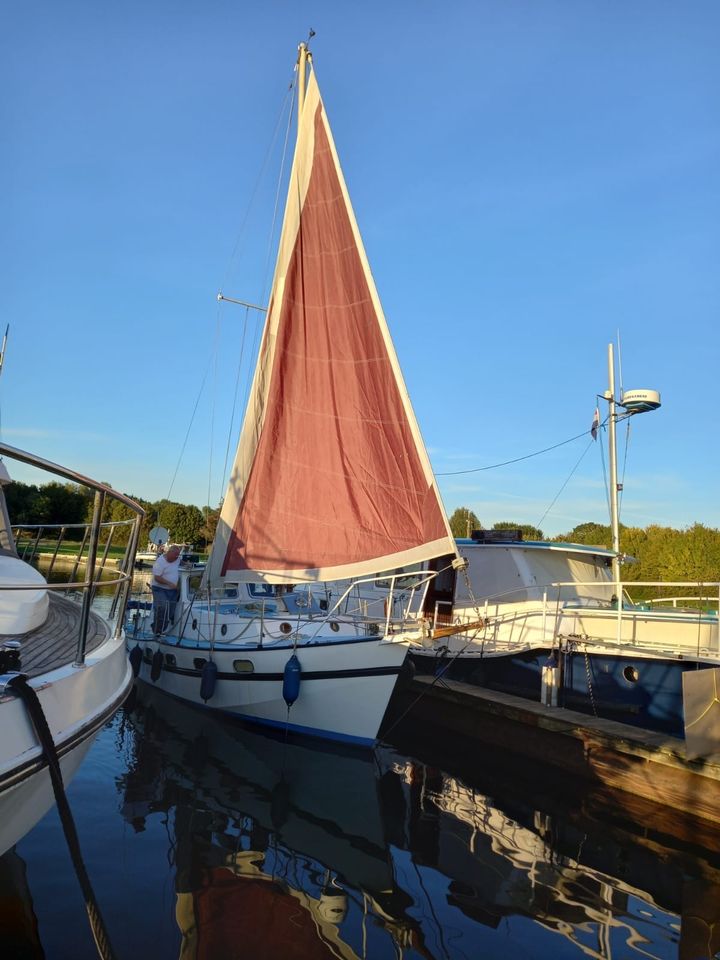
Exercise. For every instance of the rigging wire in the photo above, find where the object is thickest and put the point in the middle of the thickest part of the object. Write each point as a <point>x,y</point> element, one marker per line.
<point>187,433</point>
<point>606,482</point>
<point>569,477</point>
<point>2,361</point>
<point>493,466</point>
<point>268,260</point>
<point>624,466</point>
<point>289,95</point>
<point>234,403</point>
<point>212,360</point>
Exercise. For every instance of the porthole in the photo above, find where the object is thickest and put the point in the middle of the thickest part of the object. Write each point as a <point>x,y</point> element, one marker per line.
<point>334,626</point>
<point>223,629</point>
<point>194,624</point>
<point>149,654</point>
<point>243,666</point>
<point>170,659</point>
<point>199,663</point>
<point>285,628</point>
<point>631,674</point>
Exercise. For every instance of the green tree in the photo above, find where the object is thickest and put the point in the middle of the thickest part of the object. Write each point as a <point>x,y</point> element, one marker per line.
<point>117,512</point>
<point>210,522</point>
<point>591,534</point>
<point>52,503</point>
<point>184,521</point>
<point>529,532</point>
<point>463,521</point>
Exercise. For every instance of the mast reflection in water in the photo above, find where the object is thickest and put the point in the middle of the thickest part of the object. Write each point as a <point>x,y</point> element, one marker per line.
<point>225,842</point>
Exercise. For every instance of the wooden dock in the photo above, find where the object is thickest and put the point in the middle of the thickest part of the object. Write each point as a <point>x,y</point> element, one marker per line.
<point>636,765</point>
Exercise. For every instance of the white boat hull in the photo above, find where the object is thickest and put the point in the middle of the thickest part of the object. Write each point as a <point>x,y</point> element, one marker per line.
<point>344,686</point>
<point>77,701</point>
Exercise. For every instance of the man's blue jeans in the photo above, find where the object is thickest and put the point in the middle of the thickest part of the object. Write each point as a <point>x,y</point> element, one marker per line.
<point>163,608</point>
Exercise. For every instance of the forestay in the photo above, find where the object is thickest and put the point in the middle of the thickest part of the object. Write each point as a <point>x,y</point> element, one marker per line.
<point>331,479</point>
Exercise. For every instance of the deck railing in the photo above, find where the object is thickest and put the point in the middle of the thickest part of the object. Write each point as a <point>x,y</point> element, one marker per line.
<point>93,536</point>
<point>511,608</point>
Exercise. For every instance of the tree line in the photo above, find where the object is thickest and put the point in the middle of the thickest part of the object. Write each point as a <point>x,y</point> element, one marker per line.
<point>662,553</point>
<point>654,552</point>
<point>65,504</point>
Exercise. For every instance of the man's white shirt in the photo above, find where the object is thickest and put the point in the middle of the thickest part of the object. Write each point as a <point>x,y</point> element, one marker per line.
<point>168,571</point>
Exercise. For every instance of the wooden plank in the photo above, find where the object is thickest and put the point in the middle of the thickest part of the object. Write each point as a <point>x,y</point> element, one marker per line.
<point>54,643</point>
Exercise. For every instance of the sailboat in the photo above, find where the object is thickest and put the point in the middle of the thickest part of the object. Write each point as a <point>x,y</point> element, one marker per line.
<point>331,482</point>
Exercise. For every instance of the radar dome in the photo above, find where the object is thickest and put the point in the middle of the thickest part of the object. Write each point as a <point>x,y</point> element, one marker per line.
<point>640,401</point>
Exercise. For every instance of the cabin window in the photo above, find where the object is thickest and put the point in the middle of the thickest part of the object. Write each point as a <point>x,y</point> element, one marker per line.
<point>228,591</point>
<point>243,666</point>
<point>261,589</point>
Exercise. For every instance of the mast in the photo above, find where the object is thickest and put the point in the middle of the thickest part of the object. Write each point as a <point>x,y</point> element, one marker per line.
<point>303,56</point>
<point>612,451</point>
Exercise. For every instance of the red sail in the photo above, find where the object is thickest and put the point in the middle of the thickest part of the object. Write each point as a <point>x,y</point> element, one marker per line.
<point>331,479</point>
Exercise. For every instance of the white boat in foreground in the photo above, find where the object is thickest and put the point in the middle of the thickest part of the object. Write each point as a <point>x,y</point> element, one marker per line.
<point>331,482</point>
<point>55,649</point>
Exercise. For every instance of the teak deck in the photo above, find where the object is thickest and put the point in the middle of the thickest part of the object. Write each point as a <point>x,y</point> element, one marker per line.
<point>54,644</point>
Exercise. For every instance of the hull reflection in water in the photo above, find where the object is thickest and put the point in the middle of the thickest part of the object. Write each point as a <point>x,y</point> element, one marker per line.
<point>592,889</point>
<point>278,846</point>
<point>298,850</point>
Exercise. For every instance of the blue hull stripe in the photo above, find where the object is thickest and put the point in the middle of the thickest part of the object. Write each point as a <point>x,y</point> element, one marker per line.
<point>275,677</point>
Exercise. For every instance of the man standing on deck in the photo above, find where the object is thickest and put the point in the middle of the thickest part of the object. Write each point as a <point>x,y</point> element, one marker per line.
<point>165,576</point>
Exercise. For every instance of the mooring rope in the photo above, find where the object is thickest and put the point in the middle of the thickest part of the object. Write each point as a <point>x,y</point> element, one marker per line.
<point>20,687</point>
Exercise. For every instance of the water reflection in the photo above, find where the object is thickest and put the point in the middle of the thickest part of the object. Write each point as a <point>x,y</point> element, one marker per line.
<point>234,843</point>
<point>306,851</point>
<point>18,923</point>
<point>279,844</point>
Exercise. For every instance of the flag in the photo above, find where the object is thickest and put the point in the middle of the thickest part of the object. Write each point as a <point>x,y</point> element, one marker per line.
<point>595,424</point>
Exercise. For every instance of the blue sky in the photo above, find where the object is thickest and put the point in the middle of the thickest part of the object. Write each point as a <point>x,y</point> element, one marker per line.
<point>529,177</point>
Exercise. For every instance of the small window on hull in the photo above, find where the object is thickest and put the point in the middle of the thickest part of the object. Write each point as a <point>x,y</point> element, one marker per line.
<point>243,666</point>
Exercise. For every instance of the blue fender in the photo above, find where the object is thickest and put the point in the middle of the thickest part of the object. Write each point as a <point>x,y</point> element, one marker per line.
<point>135,658</point>
<point>291,680</point>
<point>156,666</point>
<point>208,680</point>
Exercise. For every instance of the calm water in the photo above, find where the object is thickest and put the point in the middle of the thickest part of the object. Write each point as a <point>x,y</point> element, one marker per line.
<point>207,840</point>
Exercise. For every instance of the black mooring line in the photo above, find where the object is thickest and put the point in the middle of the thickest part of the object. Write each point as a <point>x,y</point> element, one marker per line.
<point>20,687</point>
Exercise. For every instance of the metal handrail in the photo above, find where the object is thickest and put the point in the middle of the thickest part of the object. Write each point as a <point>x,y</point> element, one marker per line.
<point>619,611</point>
<point>674,600</point>
<point>102,491</point>
<point>24,457</point>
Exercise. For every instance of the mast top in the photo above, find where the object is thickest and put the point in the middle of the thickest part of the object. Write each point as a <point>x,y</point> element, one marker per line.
<point>304,57</point>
